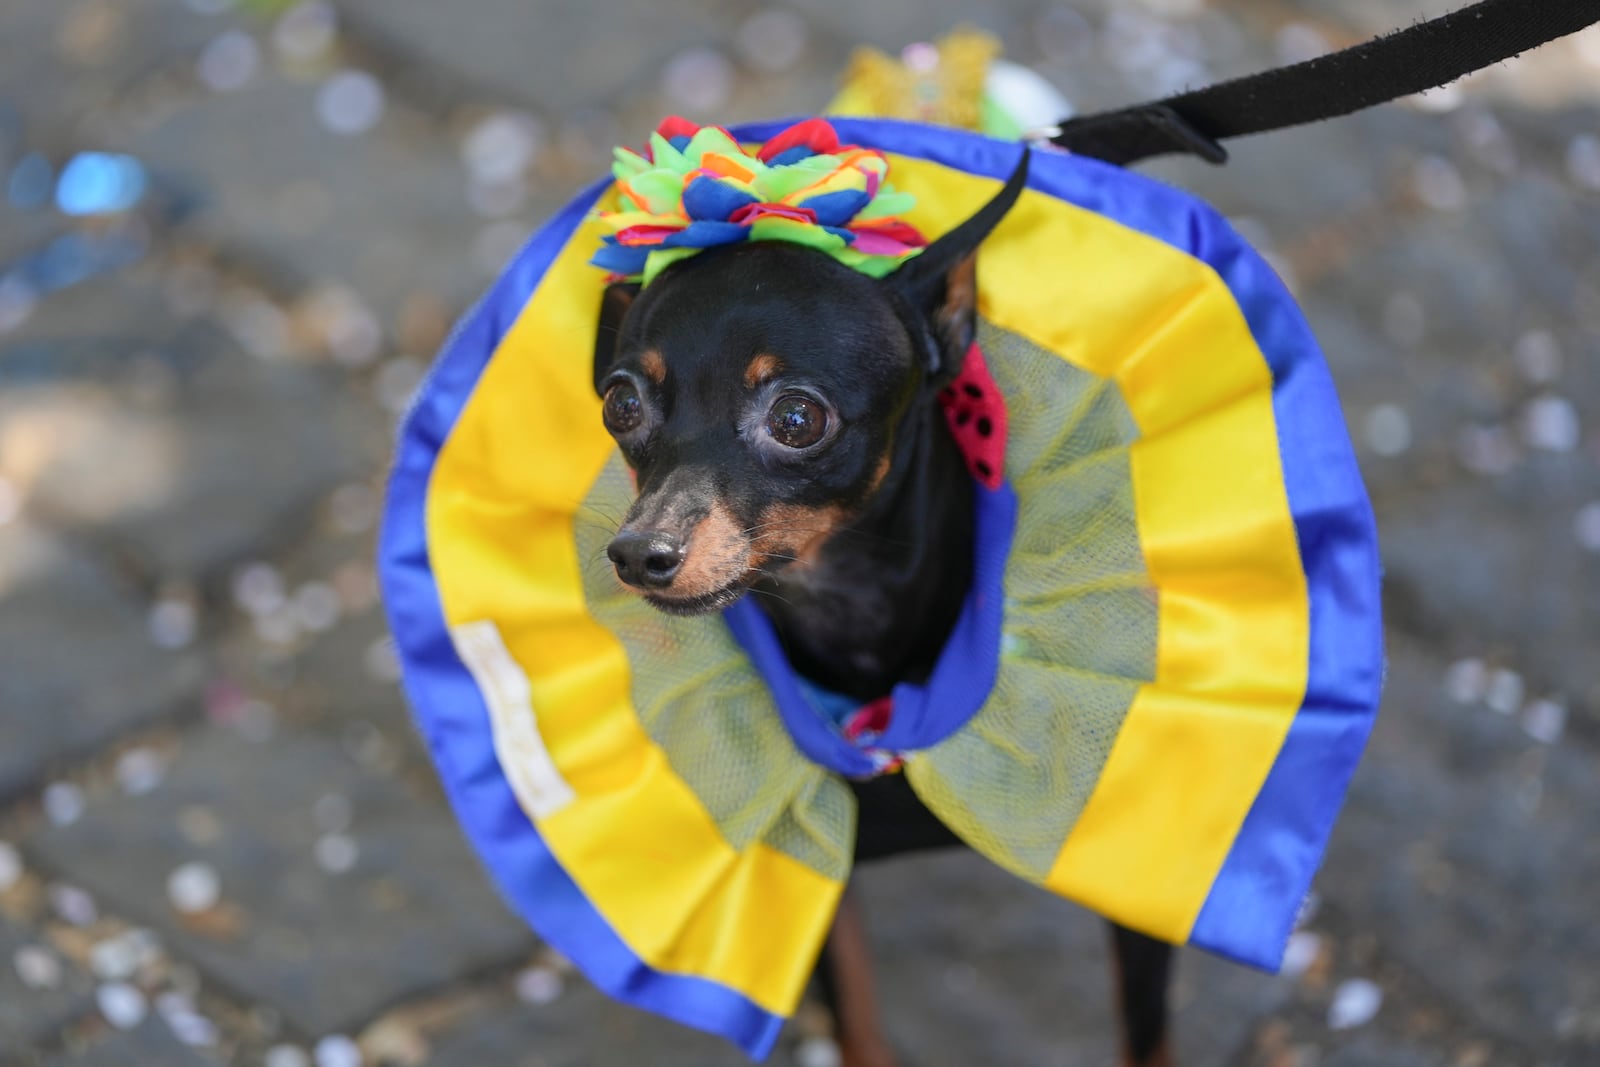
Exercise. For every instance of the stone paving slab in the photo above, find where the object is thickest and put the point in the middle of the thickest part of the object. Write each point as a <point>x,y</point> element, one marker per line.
<point>508,47</point>
<point>412,912</point>
<point>77,669</point>
<point>1467,852</point>
<point>972,959</point>
<point>30,1016</point>
<point>156,434</point>
<point>385,213</point>
<point>583,1028</point>
<point>150,1044</point>
<point>62,64</point>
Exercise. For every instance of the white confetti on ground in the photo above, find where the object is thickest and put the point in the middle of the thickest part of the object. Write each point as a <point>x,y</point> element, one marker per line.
<point>381,662</point>
<point>1544,720</point>
<point>11,867</point>
<point>1355,1003</point>
<point>229,61</point>
<point>184,1019</point>
<point>1538,356</point>
<point>63,803</point>
<point>817,1052</point>
<point>1551,423</point>
<point>539,985</point>
<point>1388,430</point>
<point>114,959</point>
<point>350,102</point>
<point>305,31</point>
<point>172,623</point>
<point>73,905</point>
<point>1487,450</point>
<point>258,589</point>
<point>337,853</point>
<point>1586,526</point>
<point>38,967</point>
<point>337,1050</point>
<point>123,1006</point>
<point>316,607</point>
<point>1504,693</point>
<point>1583,161</point>
<point>1303,949</point>
<point>1466,680</point>
<point>771,40</point>
<point>10,501</point>
<point>502,146</point>
<point>1438,184</point>
<point>699,79</point>
<point>140,771</point>
<point>194,887</point>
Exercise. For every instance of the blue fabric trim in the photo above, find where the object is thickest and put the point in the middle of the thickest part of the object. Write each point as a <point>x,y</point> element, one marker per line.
<point>453,717</point>
<point>1253,902</point>
<point>926,714</point>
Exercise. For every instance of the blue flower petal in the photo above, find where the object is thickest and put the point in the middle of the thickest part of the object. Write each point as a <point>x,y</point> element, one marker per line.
<point>619,260</point>
<point>706,234</point>
<point>837,208</point>
<point>708,198</point>
<point>791,155</point>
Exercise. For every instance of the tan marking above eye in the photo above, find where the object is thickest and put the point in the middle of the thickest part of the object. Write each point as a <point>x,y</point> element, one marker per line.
<point>654,367</point>
<point>763,368</point>
<point>879,475</point>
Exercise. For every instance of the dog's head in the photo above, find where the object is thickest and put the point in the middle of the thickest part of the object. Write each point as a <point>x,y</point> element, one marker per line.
<point>756,391</point>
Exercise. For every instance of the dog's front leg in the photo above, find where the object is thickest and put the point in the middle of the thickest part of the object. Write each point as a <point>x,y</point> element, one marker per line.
<point>1143,970</point>
<point>845,974</point>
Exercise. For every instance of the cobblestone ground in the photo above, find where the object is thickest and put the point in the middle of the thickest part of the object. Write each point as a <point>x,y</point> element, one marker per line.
<point>219,839</point>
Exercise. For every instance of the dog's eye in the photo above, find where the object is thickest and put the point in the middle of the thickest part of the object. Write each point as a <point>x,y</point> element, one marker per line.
<point>623,410</point>
<point>796,421</point>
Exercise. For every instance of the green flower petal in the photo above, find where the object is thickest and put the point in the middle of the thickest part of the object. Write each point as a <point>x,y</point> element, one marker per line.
<point>887,202</point>
<point>662,191</point>
<point>657,262</point>
<point>666,157</point>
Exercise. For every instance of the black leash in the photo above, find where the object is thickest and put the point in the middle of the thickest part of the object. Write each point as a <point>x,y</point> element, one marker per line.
<point>1424,56</point>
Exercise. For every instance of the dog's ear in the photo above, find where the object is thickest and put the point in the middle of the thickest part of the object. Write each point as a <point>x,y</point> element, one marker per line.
<point>941,283</point>
<point>614,304</point>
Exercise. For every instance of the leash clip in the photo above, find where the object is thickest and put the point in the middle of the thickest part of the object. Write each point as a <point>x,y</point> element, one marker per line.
<point>1135,133</point>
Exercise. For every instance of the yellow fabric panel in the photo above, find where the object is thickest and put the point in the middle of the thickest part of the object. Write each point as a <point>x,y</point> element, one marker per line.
<point>1208,489</point>
<point>500,537</point>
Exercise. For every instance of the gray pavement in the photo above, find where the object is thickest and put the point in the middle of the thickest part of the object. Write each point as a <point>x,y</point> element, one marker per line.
<point>220,840</point>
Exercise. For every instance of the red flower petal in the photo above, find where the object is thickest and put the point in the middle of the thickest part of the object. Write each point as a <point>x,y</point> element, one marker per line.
<point>815,134</point>
<point>677,126</point>
<point>750,212</point>
<point>895,230</point>
<point>645,235</point>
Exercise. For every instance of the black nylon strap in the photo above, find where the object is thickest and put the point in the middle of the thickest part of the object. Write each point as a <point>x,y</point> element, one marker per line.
<point>1407,61</point>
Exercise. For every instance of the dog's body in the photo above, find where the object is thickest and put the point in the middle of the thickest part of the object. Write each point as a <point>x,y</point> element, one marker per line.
<point>781,413</point>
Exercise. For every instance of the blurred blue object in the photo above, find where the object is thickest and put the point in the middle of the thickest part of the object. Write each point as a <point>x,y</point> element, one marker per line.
<point>29,185</point>
<point>100,183</point>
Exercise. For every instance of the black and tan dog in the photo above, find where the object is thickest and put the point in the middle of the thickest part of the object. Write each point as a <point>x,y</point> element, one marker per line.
<point>780,411</point>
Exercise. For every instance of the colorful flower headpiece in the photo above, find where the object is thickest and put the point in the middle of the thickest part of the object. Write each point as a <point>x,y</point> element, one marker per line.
<point>695,187</point>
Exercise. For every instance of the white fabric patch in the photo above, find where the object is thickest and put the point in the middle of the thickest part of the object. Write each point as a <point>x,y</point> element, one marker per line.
<point>523,757</point>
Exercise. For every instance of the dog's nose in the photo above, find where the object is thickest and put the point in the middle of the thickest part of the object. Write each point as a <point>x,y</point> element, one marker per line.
<point>647,560</point>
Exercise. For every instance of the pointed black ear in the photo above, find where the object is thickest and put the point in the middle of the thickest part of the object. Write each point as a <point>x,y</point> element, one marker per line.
<point>941,284</point>
<point>614,305</point>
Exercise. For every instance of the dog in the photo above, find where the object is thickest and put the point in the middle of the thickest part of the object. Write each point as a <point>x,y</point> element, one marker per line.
<point>781,414</point>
